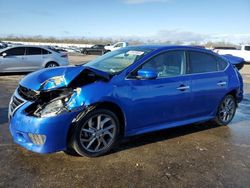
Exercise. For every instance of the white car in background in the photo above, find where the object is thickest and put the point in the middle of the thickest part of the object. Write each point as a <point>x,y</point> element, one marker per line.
<point>26,58</point>
<point>116,46</point>
<point>243,52</point>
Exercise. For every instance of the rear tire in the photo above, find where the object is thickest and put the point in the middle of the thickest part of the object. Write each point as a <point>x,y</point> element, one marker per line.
<point>51,64</point>
<point>96,133</point>
<point>85,52</point>
<point>226,110</point>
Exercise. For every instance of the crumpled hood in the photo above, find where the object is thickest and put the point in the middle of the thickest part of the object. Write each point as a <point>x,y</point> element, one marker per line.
<point>36,80</point>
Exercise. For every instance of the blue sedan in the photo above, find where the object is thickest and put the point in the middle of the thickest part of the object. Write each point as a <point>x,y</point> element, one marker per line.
<point>86,109</point>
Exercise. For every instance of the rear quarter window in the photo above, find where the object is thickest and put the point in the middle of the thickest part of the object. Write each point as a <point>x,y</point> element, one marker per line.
<point>44,52</point>
<point>222,64</point>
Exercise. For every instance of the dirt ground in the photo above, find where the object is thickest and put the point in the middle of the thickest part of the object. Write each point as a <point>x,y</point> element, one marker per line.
<point>197,155</point>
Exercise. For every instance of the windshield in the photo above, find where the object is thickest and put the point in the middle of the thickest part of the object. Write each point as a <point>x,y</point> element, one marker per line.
<point>116,61</point>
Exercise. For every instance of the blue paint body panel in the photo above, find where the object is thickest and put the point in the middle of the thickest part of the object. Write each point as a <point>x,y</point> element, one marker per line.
<point>55,129</point>
<point>147,105</point>
<point>35,80</point>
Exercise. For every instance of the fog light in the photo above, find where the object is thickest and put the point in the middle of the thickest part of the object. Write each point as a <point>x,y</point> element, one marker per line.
<point>37,139</point>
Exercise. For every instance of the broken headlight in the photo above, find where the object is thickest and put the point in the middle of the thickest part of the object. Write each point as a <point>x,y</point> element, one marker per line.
<point>65,101</point>
<point>51,109</point>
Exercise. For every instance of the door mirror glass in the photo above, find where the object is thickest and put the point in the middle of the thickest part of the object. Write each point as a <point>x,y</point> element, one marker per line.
<point>147,74</point>
<point>4,54</point>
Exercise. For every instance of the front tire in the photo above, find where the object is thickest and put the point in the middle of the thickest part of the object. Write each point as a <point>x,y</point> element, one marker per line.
<point>96,134</point>
<point>71,152</point>
<point>226,110</point>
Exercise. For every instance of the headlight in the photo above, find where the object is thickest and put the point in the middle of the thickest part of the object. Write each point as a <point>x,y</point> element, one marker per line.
<point>66,102</point>
<point>51,109</point>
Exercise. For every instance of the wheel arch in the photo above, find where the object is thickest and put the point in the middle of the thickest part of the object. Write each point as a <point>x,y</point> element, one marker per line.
<point>233,92</point>
<point>117,110</point>
<point>52,61</point>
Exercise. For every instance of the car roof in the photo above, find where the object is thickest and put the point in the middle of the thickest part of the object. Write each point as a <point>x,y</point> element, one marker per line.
<point>169,47</point>
<point>36,46</point>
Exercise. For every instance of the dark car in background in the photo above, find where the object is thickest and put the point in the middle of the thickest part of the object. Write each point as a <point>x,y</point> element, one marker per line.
<point>3,45</point>
<point>94,50</point>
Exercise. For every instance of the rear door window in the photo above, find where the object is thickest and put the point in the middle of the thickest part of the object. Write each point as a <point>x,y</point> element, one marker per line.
<point>200,62</point>
<point>18,51</point>
<point>33,51</point>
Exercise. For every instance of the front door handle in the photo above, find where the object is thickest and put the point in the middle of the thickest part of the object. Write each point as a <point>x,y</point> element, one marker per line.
<point>183,87</point>
<point>221,83</point>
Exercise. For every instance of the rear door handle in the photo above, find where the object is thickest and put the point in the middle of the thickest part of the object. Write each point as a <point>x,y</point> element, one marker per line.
<point>221,83</point>
<point>183,87</point>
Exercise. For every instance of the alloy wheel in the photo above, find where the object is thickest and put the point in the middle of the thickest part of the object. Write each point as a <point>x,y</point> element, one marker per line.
<point>52,65</point>
<point>98,133</point>
<point>227,109</point>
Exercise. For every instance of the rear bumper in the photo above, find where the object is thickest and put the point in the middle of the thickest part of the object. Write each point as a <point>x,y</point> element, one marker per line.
<point>64,62</point>
<point>54,129</point>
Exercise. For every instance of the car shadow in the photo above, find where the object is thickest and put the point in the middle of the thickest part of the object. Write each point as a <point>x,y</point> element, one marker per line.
<point>149,138</point>
<point>3,115</point>
<point>14,73</point>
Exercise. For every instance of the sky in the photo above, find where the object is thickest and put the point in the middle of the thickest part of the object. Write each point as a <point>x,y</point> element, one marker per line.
<point>156,20</point>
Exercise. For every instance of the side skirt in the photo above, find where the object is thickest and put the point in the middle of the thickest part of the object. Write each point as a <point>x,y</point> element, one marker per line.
<point>158,127</point>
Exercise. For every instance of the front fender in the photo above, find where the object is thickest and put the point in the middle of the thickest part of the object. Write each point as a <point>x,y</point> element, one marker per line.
<point>93,93</point>
<point>88,97</point>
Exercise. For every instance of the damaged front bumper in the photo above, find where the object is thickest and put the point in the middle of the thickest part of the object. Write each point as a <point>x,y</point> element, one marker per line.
<point>45,105</point>
<point>41,135</point>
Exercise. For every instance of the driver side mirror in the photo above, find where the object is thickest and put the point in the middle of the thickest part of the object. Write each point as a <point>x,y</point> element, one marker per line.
<point>147,74</point>
<point>4,55</point>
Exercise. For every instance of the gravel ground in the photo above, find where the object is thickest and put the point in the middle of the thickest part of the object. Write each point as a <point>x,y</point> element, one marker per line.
<point>197,155</point>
